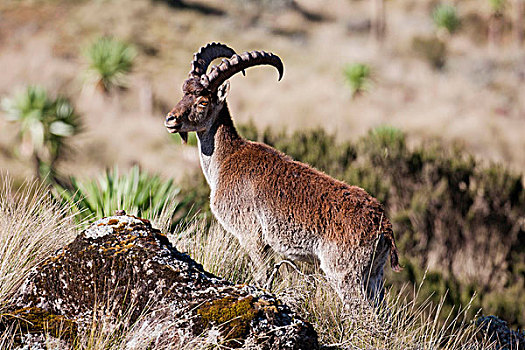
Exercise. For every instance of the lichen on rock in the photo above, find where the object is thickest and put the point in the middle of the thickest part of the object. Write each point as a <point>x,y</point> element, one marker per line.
<point>109,225</point>
<point>497,331</point>
<point>167,296</point>
<point>33,320</point>
<point>234,315</point>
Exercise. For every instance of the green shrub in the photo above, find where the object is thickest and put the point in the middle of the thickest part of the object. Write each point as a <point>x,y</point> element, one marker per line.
<point>45,125</point>
<point>357,75</point>
<point>445,16</point>
<point>136,192</point>
<point>109,61</point>
<point>384,143</point>
<point>431,49</point>
<point>314,147</point>
<point>249,130</point>
<point>195,199</point>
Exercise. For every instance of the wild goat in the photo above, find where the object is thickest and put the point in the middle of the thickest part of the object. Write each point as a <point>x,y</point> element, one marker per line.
<point>267,200</point>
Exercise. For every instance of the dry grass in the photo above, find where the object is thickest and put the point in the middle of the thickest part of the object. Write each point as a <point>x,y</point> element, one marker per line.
<point>32,227</point>
<point>107,331</point>
<point>219,252</point>
<point>402,324</point>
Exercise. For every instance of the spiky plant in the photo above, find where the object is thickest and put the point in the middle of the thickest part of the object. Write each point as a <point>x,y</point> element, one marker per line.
<point>358,76</point>
<point>497,6</point>
<point>109,61</point>
<point>136,192</point>
<point>45,125</point>
<point>445,16</point>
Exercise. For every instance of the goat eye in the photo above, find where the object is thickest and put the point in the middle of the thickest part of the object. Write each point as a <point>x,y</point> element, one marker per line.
<point>203,103</point>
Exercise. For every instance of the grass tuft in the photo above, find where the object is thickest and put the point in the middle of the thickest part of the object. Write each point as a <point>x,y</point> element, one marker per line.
<point>445,17</point>
<point>358,76</point>
<point>218,251</point>
<point>32,227</point>
<point>109,62</point>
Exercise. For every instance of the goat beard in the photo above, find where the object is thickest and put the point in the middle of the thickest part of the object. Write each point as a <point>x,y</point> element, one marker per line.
<point>184,137</point>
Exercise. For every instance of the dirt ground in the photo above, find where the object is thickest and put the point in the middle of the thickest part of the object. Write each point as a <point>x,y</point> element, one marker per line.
<point>477,100</point>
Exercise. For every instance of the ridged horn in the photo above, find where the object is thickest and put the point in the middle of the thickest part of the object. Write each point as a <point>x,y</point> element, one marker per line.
<point>219,74</point>
<point>206,54</point>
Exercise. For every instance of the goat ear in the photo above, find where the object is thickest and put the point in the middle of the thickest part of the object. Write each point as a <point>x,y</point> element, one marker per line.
<point>222,91</point>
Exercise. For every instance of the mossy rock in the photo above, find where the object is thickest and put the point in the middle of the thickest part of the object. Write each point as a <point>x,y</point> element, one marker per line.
<point>231,314</point>
<point>34,320</point>
<point>161,287</point>
<point>497,330</point>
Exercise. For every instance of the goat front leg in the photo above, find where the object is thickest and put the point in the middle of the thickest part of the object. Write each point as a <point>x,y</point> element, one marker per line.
<point>260,257</point>
<point>259,253</point>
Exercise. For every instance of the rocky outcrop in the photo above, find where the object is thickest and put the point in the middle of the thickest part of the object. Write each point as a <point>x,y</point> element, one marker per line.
<point>497,331</point>
<point>122,267</point>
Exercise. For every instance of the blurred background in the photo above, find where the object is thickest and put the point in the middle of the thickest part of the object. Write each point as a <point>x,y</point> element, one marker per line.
<point>421,102</point>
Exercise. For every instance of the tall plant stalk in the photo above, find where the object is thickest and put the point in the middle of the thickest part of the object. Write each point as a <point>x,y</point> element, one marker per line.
<point>378,19</point>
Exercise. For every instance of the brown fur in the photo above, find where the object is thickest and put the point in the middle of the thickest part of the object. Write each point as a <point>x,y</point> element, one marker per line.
<point>343,214</point>
<point>267,200</point>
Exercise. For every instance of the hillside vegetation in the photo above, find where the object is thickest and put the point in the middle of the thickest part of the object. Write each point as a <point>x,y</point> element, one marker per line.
<point>429,83</point>
<point>420,102</point>
<point>405,323</point>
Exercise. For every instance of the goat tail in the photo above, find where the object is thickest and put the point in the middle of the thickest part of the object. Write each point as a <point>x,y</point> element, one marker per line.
<point>394,258</point>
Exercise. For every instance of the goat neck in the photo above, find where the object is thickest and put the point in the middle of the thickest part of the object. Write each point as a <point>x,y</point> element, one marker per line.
<point>216,144</point>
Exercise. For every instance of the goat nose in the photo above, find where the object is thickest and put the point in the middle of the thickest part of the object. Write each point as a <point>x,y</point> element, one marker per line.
<point>171,119</point>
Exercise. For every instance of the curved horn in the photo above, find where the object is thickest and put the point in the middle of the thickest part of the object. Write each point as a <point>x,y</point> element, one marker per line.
<point>229,67</point>
<point>206,54</point>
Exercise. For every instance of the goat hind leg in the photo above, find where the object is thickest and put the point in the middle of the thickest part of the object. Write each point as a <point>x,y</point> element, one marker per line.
<point>373,273</point>
<point>343,270</point>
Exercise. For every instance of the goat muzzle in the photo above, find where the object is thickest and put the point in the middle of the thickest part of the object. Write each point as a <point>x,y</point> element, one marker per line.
<point>173,127</point>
